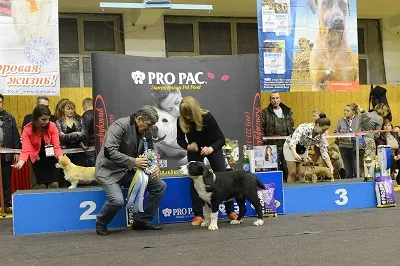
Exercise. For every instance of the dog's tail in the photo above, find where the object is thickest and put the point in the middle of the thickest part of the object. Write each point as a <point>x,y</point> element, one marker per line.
<point>259,183</point>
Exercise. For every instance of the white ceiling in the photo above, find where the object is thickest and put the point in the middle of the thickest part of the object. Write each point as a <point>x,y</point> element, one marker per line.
<point>372,9</point>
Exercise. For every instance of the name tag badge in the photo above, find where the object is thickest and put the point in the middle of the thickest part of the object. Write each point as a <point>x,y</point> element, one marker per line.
<point>49,150</point>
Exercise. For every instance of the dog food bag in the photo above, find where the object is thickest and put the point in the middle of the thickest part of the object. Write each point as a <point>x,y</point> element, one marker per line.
<point>267,199</point>
<point>384,190</point>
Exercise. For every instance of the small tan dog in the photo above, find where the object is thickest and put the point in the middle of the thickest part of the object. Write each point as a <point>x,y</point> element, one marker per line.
<point>316,173</point>
<point>75,174</point>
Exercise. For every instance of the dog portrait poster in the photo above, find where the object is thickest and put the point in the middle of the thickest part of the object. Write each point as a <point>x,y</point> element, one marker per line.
<point>320,45</point>
<point>29,52</point>
<point>227,86</point>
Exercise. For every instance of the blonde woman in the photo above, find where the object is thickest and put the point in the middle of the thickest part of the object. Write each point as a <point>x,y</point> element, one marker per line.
<point>349,123</point>
<point>203,139</point>
<point>371,121</point>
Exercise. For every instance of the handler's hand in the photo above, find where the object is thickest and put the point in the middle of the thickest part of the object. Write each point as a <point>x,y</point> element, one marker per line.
<point>156,173</point>
<point>141,163</point>
<point>193,147</point>
<point>19,164</point>
<point>297,157</point>
<point>206,151</point>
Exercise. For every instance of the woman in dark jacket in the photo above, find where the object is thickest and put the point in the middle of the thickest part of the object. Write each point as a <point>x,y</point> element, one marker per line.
<point>204,139</point>
<point>73,134</point>
<point>391,139</point>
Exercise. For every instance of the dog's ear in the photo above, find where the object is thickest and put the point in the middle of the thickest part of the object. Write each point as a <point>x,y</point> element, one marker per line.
<point>312,4</point>
<point>205,171</point>
<point>208,178</point>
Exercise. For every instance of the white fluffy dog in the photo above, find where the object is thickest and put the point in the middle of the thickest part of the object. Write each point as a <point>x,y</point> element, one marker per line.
<point>164,137</point>
<point>75,174</point>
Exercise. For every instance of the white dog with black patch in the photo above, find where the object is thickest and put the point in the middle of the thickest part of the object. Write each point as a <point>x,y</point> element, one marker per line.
<point>215,188</point>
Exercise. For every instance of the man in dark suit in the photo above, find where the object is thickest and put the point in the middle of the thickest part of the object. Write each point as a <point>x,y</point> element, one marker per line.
<point>40,100</point>
<point>9,138</point>
<point>117,162</point>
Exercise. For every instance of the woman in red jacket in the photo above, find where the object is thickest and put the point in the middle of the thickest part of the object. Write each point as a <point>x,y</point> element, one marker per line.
<point>41,143</point>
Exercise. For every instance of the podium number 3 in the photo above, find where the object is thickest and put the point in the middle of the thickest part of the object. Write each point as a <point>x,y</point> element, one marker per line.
<point>342,195</point>
<point>87,215</point>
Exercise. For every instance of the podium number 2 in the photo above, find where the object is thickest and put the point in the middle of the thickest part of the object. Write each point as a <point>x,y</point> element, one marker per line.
<point>342,195</point>
<point>87,215</point>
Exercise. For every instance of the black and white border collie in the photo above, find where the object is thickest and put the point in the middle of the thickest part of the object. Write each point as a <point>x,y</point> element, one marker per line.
<point>215,188</point>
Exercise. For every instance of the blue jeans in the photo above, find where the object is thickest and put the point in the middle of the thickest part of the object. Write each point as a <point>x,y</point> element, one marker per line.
<point>115,199</point>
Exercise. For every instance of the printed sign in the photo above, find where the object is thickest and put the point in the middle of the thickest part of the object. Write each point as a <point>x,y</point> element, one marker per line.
<point>29,53</point>
<point>308,45</point>
<point>226,86</point>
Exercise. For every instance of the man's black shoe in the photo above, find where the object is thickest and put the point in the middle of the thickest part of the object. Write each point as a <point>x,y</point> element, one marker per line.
<point>145,226</point>
<point>101,229</point>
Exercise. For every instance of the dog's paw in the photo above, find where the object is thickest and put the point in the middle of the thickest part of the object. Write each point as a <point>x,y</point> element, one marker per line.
<point>71,187</point>
<point>258,222</point>
<point>205,223</point>
<point>236,221</point>
<point>213,227</point>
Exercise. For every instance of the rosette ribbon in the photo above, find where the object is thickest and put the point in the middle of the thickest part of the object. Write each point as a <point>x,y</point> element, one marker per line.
<point>139,183</point>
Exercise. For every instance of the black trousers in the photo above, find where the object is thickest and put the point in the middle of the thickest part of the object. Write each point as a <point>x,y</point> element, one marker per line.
<point>217,163</point>
<point>282,163</point>
<point>6,173</point>
<point>90,158</point>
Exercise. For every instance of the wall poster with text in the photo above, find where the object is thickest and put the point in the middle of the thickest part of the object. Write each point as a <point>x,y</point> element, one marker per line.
<point>308,45</point>
<point>29,47</point>
<point>227,86</point>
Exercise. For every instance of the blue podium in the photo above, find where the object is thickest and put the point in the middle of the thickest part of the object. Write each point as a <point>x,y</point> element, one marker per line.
<point>343,194</point>
<point>59,210</point>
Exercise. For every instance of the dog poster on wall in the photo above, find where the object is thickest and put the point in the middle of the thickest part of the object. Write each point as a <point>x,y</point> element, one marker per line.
<point>308,45</point>
<point>226,86</point>
<point>29,47</point>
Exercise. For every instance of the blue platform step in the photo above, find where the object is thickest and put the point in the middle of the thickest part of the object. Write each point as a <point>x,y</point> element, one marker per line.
<point>61,210</point>
<point>343,194</point>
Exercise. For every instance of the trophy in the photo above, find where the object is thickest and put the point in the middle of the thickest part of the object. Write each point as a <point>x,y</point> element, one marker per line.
<point>367,163</point>
<point>227,156</point>
<point>231,153</point>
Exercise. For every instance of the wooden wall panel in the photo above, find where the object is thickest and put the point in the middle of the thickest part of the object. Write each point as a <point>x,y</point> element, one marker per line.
<point>19,106</point>
<point>333,103</point>
<point>302,103</point>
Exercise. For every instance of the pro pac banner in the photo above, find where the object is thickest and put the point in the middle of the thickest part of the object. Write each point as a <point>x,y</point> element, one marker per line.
<point>29,53</point>
<point>308,45</point>
<point>226,86</point>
